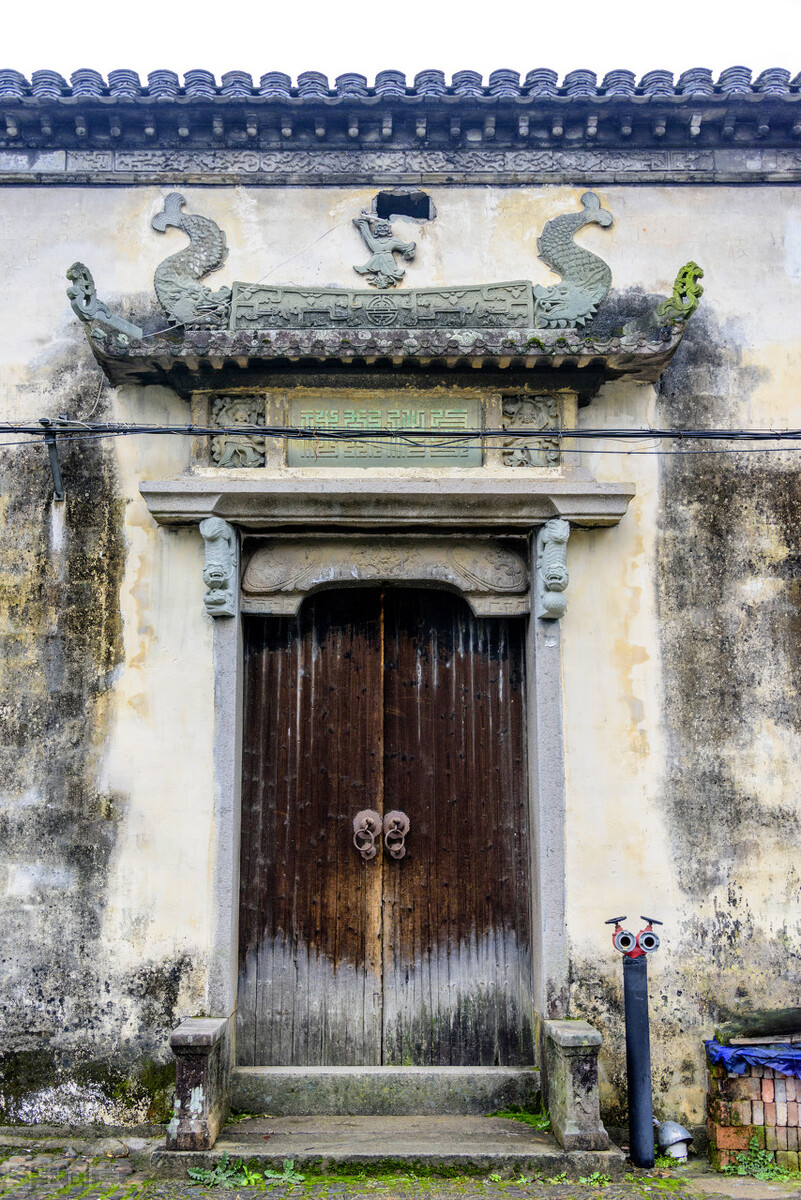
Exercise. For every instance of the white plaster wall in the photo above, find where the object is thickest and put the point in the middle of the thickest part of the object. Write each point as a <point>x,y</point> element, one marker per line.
<point>158,748</point>
<point>747,242</point>
<point>156,759</point>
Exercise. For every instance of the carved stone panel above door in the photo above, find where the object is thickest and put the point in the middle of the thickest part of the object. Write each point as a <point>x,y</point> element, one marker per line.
<point>492,574</point>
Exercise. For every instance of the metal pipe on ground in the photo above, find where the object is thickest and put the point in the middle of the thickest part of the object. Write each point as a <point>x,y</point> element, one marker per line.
<point>635,951</point>
<point>638,1061</point>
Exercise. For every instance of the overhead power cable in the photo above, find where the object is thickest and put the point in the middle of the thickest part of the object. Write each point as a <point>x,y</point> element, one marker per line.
<point>68,429</point>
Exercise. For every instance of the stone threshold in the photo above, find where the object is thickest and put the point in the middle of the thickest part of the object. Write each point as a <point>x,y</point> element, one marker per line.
<point>382,1091</point>
<point>434,1144</point>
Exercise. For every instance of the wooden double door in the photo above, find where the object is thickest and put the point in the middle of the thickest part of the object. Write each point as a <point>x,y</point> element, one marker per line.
<point>384,700</point>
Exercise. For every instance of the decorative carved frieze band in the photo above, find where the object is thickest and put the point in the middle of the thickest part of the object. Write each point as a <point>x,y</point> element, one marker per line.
<point>528,418</point>
<point>389,168</point>
<point>491,576</point>
<point>220,567</point>
<point>552,576</point>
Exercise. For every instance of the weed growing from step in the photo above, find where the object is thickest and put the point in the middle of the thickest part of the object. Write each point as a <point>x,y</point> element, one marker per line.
<point>535,1115</point>
<point>227,1174</point>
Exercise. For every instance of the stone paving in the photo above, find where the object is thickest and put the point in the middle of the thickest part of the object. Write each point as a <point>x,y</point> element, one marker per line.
<point>113,1169</point>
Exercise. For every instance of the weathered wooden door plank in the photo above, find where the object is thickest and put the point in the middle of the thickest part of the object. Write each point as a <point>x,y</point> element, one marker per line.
<point>313,759</point>
<point>403,701</point>
<point>457,965</point>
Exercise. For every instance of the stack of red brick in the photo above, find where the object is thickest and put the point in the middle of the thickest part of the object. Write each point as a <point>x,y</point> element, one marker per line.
<point>761,1104</point>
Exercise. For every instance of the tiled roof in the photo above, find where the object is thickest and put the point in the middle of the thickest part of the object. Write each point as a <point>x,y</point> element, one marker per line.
<point>99,126</point>
<point>541,82</point>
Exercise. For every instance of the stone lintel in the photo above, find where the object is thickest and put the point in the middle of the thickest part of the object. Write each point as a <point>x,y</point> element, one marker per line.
<point>570,1078</point>
<point>202,1048</point>
<point>518,500</point>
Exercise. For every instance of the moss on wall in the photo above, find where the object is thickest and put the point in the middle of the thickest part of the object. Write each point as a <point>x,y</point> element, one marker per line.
<point>728,580</point>
<point>74,1028</point>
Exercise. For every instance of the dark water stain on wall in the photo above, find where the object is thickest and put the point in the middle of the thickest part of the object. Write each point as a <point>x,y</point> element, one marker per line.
<point>61,565</point>
<point>728,552</point>
<point>729,596</point>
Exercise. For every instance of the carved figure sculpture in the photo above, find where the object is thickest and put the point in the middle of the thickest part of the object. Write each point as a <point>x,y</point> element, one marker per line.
<point>237,450</point>
<point>530,414</point>
<point>552,576</point>
<point>381,269</point>
<point>176,280</point>
<point>89,307</point>
<point>586,278</point>
<point>687,294</point>
<point>219,570</point>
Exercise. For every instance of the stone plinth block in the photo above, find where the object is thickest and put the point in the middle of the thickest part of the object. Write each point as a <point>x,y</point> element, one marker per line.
<point>202,1048</point>
<point>570,1070</point>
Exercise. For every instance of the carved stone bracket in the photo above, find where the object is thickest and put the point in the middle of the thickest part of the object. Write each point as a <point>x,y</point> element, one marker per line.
<point>552,576</point>
<point>220,568</point>
<point>491,575</point>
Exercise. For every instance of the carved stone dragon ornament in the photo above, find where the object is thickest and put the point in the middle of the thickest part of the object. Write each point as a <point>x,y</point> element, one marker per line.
<point>512,305</point>
<point>177,279</point>
<point>552,576</point>
<point>687,293</point>
<point>586,279</point>
<point>220,567</point>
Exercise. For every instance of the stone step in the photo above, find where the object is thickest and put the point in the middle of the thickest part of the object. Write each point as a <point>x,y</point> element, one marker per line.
<point>374,1091</point>
<point>434,1144</point>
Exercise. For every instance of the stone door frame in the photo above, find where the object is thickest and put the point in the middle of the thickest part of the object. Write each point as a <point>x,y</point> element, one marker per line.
<point>546,812</point>
<point>458,506</point>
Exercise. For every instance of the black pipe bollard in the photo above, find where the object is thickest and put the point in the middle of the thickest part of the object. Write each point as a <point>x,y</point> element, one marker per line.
<point>635,951</point>
<point>638,1061</point>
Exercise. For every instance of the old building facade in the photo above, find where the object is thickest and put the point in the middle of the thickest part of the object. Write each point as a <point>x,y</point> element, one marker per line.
<point>348,716</point>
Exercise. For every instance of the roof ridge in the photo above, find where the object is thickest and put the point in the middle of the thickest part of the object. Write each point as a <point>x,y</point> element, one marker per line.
<point>540,82</point>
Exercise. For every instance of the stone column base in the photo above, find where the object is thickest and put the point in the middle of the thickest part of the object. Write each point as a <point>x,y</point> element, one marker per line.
<point>570,1078</point>
<point>202,1048</point>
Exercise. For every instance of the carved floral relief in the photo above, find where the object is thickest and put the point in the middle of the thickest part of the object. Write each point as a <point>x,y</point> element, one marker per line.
<point>493,577</point>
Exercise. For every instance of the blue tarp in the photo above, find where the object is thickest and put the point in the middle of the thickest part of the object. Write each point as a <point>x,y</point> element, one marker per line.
<point>779,1056</point>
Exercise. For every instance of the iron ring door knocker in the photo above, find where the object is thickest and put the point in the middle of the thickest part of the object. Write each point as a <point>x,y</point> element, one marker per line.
<point>366,828</point>
<point>396,826</point>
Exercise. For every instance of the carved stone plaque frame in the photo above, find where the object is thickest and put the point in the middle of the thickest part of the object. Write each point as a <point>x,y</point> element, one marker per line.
<point>492,574</point>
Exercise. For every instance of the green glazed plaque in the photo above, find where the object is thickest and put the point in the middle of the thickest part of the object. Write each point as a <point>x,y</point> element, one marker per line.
<point>411,448</point>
